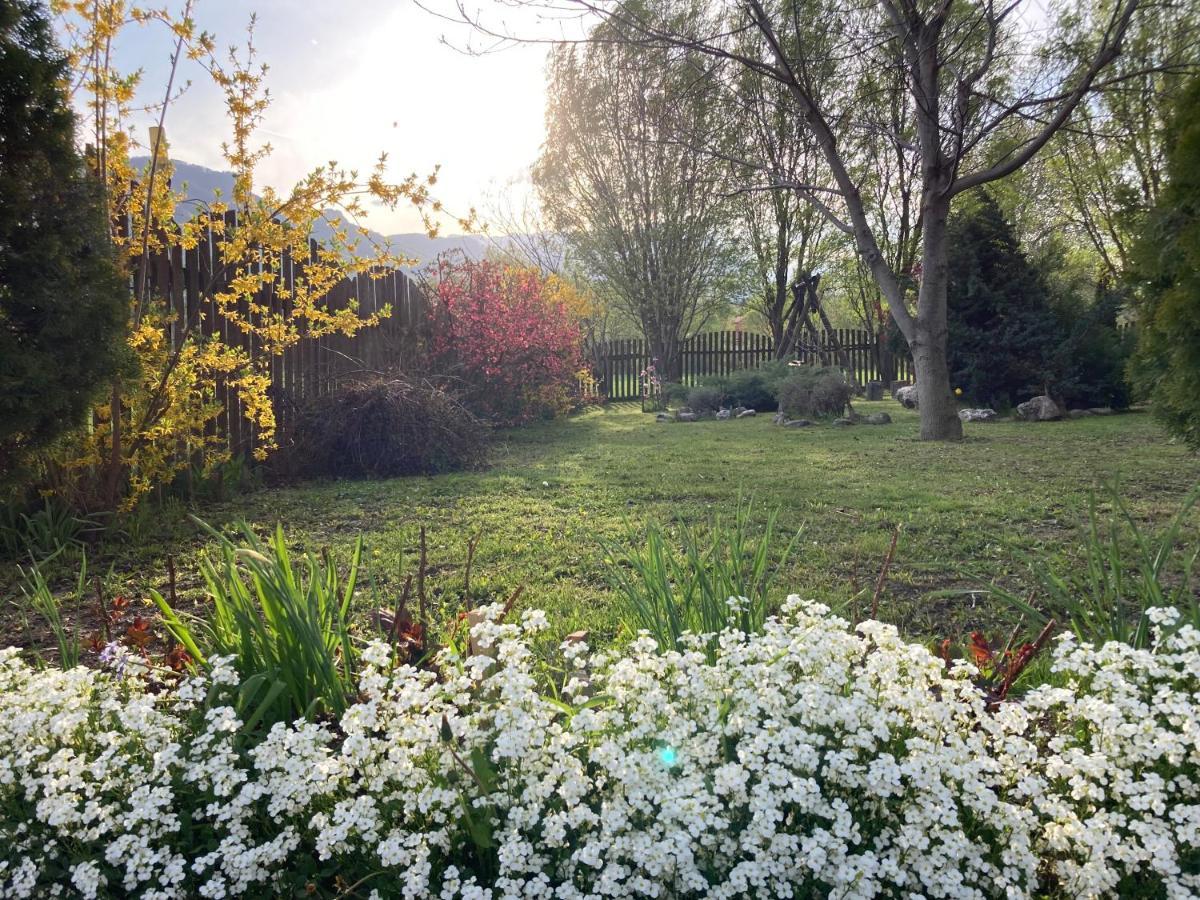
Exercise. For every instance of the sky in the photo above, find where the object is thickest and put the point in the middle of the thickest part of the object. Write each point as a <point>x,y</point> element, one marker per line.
<point>353,78</point>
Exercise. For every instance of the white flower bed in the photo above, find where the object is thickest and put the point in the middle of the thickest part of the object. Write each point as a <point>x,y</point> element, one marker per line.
<point>809,761</point>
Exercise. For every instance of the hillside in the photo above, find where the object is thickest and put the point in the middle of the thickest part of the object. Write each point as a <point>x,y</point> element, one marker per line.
<point>201,185</point>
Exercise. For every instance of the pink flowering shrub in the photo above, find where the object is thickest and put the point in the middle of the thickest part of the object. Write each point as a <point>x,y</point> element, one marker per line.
<point>506,334</point>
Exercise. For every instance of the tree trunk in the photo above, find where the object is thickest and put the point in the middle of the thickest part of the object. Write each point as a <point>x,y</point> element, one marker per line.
<point>114,465</point>
<point>785,333</point>
<point>669,353</point>
<point>831,334</point>
<point>939,411</point>
<point>780,344</point>
<point>885,362</point>
<point>782,318</point>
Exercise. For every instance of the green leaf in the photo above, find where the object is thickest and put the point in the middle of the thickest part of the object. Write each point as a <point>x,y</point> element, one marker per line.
<point>485,772</point>
<point>479,830</point>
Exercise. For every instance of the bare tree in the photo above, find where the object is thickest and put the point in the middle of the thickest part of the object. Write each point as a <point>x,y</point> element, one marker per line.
<point>518,232</point>
<point>643,211</point>
<point>984,94</point>
<point>881,147</point>
<point>785,238</point>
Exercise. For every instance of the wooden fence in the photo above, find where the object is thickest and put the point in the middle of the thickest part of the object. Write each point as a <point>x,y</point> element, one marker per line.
<point>188,281</point>
<point>621,362</point>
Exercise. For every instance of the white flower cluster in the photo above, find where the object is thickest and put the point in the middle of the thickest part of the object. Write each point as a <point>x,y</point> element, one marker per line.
<point>116,792</point>
<point>807,761</point>
<point>1110,764</point>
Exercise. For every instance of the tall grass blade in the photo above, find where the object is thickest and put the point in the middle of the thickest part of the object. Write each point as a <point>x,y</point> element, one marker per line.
<point>716,580</point>
<point>1126,572</point>
<point>38,596</point>
<point>283,619</point>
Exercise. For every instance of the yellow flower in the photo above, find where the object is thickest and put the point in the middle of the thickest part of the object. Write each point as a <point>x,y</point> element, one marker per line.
<point>958,392</point>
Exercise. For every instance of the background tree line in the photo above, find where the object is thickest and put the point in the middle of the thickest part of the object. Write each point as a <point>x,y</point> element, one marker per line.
<point>963,179</point>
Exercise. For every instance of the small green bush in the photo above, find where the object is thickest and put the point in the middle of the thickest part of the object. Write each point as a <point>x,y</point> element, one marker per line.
<point>774,374</point>
<point>1165,368</point>
<point>42,532</point>
<point>814,391</point>
<point>675,393</point>
<point>757,388</point>
<point>719,382</point>
<point>705,398</point>
<point>753,389</point>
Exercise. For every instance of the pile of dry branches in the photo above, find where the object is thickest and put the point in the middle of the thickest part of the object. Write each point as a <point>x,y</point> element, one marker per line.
<point>381,427</point>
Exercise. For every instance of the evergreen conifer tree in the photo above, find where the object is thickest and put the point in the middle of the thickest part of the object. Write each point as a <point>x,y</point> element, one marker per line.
<point>62,303</point>
<point>1003,329</point>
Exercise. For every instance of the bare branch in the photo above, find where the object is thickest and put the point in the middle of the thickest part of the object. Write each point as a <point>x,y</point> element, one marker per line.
<point>1109,49</point>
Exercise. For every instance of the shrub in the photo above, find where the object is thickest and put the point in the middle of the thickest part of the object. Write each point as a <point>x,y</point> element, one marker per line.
<point>1166,365</point>
<point>720,382</point>
<point>1089,366</point>
<point>753,389</point>
<point>808,760</point>
<point>705,398</point>
<point>774,373</point>
<point>675,393</point>
<point>508,337</point>
<point>1107,765</point>
<point>384,427</point>
<point>1013,333</point>
<point>1003,330</point>
<point>814,391</point>
<point>42,532</point>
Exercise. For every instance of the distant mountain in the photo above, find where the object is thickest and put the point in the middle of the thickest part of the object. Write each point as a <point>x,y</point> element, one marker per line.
<point>426,249</point>
<point>201,185</point>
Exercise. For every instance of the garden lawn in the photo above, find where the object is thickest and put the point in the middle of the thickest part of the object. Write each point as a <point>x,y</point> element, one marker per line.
<point>969,513</point>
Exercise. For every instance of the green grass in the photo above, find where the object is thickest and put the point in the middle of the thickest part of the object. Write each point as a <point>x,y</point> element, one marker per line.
<point>969,512</point>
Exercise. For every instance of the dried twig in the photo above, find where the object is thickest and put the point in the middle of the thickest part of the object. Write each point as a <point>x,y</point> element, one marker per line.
<point>171,582</point>
<point>471,544</point>
<point>103,610</point>
<point>510,602</point>
<point>401,609</point>
<point>421,567</point>
<point>883,573</point>
<point>1013,637</point>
